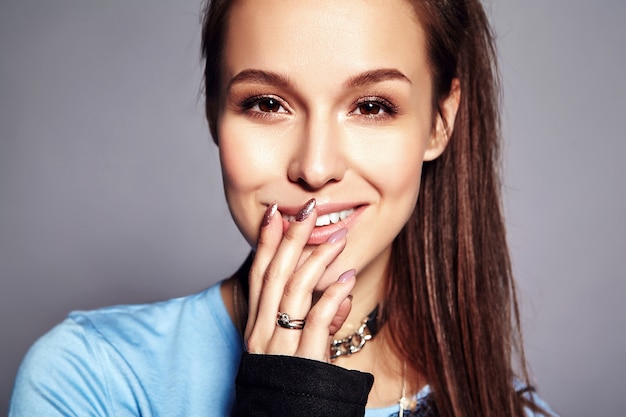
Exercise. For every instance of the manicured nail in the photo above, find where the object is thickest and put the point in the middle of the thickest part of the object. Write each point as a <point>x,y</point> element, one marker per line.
<point>337,236</point>
<point>306,210</point>
<point>346,275</point>
<point>269,213</point>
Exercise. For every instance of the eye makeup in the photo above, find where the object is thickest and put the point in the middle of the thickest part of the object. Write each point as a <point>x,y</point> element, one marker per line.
<point>374,107</point>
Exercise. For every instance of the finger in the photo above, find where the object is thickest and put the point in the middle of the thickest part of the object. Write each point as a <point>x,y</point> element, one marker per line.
<point>342,314</point>
<point>283,262</point>
<point>279,269</point>
<point>298,291</point>
<point>270,235</point>
<point>314,340</point>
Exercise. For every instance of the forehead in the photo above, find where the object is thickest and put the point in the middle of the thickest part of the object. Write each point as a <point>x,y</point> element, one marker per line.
<point>331,37</point>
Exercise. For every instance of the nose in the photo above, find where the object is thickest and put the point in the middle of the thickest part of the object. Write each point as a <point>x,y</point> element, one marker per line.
<point>318,159</point>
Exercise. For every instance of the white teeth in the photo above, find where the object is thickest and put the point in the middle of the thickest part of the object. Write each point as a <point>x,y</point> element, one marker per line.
<point>323,220</point>
<point>326,219</point>
<point>343,214</point>
<point>333,218</point>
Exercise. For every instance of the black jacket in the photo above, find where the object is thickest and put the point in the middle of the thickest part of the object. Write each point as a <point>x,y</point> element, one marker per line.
<point>272,386</point>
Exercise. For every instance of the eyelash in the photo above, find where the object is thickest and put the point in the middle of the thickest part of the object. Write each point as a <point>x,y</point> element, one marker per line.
<point>248,103</point>
<point>389,108</point>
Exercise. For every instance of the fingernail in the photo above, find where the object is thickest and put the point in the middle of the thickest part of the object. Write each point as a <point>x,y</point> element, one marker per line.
<point>306,210</point>
<point>269,213</point>
<point>346,275</point>
<point>337,236</point>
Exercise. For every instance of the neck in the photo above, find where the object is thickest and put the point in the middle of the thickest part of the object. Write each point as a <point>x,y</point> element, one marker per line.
<point>368,292</point>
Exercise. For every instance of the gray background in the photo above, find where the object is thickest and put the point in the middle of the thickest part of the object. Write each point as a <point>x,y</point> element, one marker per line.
<point>110,190</point>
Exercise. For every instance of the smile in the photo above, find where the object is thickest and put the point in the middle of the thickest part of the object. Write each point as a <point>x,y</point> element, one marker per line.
<point>326,219</point>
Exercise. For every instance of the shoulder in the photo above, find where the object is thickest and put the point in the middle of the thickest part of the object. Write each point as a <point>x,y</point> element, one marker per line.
<point>145,324</point>
<point>115,356</point>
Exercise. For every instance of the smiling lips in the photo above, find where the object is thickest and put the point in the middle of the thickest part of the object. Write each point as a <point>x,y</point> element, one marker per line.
<point>328,223</point>
<point>326,219</point>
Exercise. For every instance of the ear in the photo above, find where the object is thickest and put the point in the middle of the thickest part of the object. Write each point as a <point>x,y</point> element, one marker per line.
<point>444,122</point>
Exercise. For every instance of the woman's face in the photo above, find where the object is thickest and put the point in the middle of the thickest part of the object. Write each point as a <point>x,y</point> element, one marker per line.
<point>328,99</point>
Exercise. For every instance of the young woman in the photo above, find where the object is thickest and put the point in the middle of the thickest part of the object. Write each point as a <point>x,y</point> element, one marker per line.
<point>331,117</point>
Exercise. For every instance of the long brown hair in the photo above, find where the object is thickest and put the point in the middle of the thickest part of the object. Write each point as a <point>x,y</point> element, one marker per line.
<point>450,275</point>
<point>451,279</point>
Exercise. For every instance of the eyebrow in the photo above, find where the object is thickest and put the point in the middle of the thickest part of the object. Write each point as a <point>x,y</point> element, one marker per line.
<point>376,76</point>
<point>359,80</point>
<point>259,77</point>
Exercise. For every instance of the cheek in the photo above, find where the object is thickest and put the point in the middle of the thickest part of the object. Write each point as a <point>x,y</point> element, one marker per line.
<point>235,160</point>
<point>243,174</point>
<point>248,157</point>
<point>237,174</point>
<point>404,172</point>
<point>396,168</point>
<point>401,190</point>
<point>251,156</point>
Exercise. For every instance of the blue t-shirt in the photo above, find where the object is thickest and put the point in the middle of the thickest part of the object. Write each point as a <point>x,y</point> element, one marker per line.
<point>171,358</point>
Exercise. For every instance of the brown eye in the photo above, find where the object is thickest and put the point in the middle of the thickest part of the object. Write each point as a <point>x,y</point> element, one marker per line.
<point>369,108</point>
<point>269,105</point>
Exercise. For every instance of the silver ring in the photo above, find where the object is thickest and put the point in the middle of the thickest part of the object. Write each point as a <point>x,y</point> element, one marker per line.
<point>283,320</point>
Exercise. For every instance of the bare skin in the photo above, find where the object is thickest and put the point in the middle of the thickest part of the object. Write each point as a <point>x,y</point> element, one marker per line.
<point>329,99</point>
